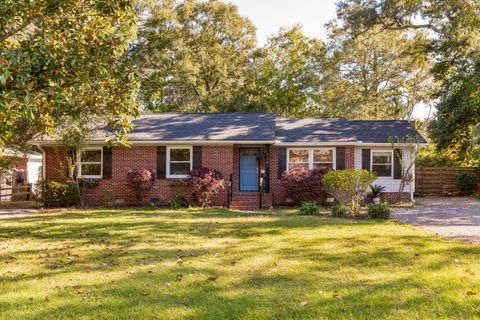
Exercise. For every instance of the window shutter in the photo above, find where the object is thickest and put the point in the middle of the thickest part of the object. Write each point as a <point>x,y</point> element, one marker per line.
<point>197,157</point>
<point>161,162</point>
<point>366,159</point>
<point>107,163</point>
<point>282,161</point>
<point>397,166</point>
<point>340,158</point>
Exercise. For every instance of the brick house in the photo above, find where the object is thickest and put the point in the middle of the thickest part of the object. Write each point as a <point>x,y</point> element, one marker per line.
<point>252,150</point>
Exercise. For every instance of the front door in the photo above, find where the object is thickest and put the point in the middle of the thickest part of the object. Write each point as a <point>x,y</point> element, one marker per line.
<point>248,170</point>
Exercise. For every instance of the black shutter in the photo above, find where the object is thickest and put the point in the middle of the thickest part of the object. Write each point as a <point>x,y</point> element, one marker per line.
<point>197,157</point>
<point>366,159</point>
<point>340,158</point>
<point>107,163</point>
<point>161,162</point>
<point>397,166</point>
<point>267,169</point>
<point>282,161</point>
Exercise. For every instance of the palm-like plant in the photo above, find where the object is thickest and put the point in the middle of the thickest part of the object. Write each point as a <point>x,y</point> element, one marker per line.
<point>377,190</point>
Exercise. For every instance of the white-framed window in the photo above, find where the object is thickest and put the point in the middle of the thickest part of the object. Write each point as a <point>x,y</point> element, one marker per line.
<point>310,158</point>
<point>90,163</point>
<point>382,163</point>
<point>179,161</point>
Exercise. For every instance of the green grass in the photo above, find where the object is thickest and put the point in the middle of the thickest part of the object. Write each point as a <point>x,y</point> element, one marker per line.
<point>156,264</point>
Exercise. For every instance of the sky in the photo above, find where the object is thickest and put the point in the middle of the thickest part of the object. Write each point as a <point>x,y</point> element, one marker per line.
<point>270,15</point>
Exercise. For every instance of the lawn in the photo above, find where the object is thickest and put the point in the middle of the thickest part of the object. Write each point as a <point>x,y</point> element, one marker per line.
<point>218,264</point>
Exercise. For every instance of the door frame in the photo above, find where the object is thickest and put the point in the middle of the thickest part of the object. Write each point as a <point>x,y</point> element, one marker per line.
<point>239,168</point>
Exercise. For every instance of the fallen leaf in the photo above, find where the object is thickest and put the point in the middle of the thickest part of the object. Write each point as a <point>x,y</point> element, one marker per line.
<point>456,260</point>
<point>336,295</point>
<point>304,303</point>
<point>213,277</point>
<point>87,271</point>
<point>471,293</point>
<point>179,277</point>
<point>168,284</point>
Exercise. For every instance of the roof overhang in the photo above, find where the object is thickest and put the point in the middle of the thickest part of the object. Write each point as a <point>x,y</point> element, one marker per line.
<point>156,143</point>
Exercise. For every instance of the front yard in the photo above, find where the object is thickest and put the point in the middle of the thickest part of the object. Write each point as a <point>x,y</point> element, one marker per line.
<point>217,264</point>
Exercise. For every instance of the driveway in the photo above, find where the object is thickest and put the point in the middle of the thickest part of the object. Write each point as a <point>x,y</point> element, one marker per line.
<point>456,218</point>
<point>16,210</point>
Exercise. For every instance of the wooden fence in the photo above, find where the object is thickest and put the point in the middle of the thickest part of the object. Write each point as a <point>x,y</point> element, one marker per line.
<point>439,181</point>
<point>19,193</point>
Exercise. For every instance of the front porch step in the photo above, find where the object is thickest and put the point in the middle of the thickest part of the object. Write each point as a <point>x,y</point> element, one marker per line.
<point>245,201</point>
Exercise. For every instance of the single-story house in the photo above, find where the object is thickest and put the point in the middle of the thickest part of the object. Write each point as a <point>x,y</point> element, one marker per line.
<point>250,149</point>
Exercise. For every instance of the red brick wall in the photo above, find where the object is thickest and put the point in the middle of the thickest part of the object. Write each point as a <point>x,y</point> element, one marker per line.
<point>350,157</point>
<point>124,159</point>
<point>223,158</point>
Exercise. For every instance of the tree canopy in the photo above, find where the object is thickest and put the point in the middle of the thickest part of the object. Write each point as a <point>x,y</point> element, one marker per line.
<point>64,58</point>
<point>195,56</point>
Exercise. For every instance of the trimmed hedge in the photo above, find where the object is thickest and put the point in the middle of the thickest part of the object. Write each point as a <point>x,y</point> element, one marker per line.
<point>310,209</point>
<point>379,211</point>
<point>339,211</point>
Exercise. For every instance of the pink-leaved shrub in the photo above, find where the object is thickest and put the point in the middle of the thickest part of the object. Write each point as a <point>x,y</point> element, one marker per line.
<point>303,185</point>
<point>204,184</point>
<point>140,181</point>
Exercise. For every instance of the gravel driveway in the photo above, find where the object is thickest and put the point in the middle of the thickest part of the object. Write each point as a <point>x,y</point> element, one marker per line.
<point>456,218</point>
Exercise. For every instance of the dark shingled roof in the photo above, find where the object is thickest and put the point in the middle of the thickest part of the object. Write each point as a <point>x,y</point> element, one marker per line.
<point>378,131</point>
<point>204,126</point>
<point>260,127</point>
<point>314,129</point>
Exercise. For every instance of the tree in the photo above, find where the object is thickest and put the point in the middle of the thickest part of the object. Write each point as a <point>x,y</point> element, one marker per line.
<point>377,75</point>
<point>64,58</point>
<point>452,26</point>
<point>290,71</point>
<point>195,56</point>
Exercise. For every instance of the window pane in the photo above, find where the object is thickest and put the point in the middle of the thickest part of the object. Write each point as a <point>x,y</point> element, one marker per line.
<point>91,169</point>
<point>179,168</point>
<point>382,170</point>
<point>296,165</point>
<point>298,155</point>
<point>92,156</point>
<point>179,154</point>
<point>323,155</point>
<point>325,166</point>
<point>382,157</point>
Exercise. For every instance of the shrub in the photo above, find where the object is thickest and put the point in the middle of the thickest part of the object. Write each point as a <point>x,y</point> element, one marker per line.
<point>108,198</point>
<point>377,190</point>
<point>339,211</point>
<point>205,183</point>
<point>302,185</point>
<point>310,209</point>
<point>347,186</point>
<point>140,181</point>
<point>58,194</point>
<point>379,211</point>
<point>178,201</point>
<point>466,181</point>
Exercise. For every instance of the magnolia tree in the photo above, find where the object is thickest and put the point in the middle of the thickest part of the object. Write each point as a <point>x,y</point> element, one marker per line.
<point>347,186</point>
<point>205,183</point>
<point>140,181</point>
<point>302,185</point>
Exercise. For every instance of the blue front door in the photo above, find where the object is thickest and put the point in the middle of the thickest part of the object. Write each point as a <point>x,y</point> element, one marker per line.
<point>248,172</point>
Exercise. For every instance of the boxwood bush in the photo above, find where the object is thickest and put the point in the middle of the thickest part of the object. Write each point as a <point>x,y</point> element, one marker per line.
<point>339,211</point>
<point>310,209</point>
<point>379,211</point>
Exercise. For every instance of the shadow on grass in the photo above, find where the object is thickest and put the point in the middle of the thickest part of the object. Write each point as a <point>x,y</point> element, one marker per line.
<point>342,268</point>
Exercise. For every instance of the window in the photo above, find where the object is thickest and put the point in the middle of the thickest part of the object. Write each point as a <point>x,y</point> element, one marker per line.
<point>179,161</point>
<point>90,164</point>
<point>298,158</point>
<point>382,163</point>
<point>323,158</point>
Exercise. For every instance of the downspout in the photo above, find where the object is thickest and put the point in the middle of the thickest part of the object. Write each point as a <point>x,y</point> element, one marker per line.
<point>412,185</point>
